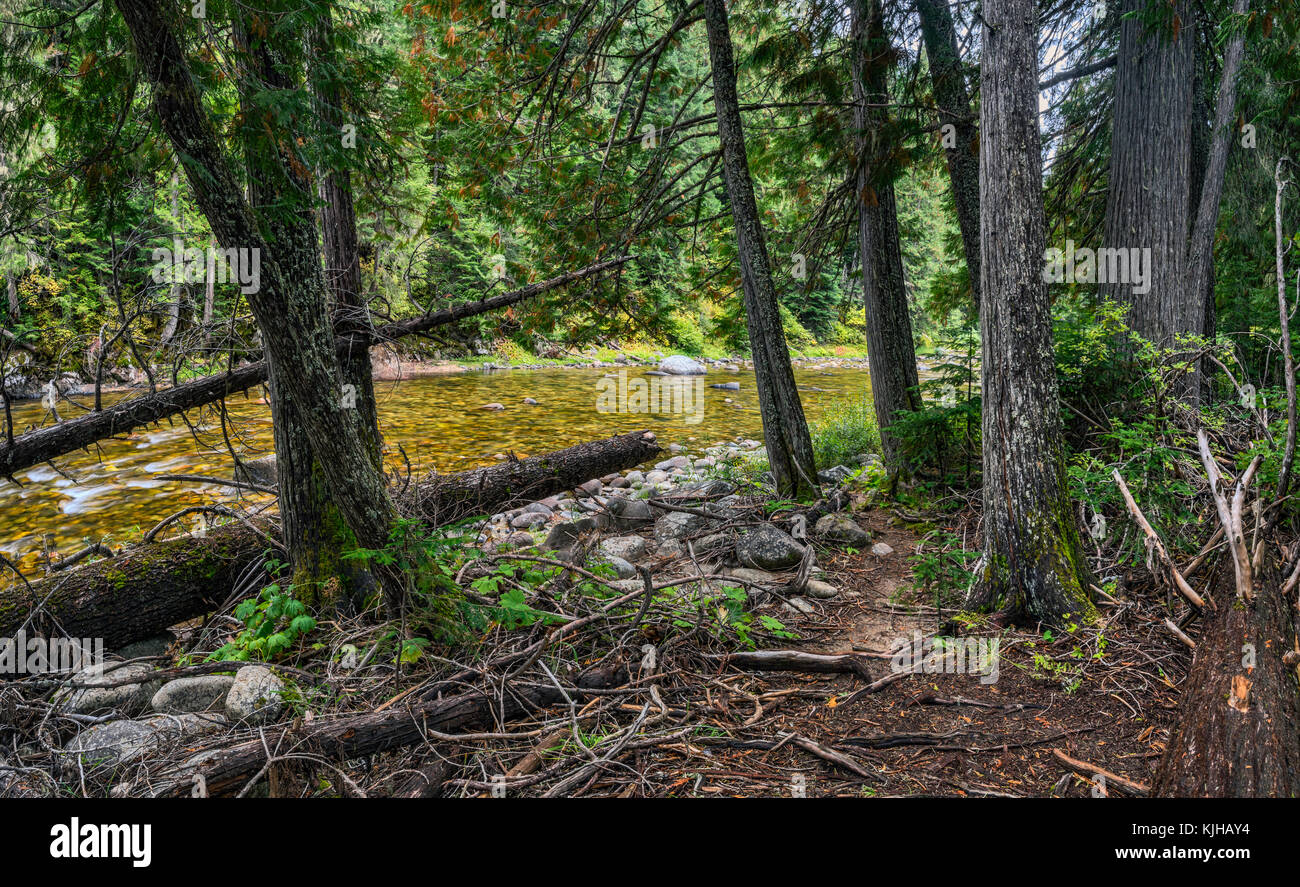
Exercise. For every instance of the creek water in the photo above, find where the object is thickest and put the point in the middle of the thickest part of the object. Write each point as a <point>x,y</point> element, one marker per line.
<point>114,494</point>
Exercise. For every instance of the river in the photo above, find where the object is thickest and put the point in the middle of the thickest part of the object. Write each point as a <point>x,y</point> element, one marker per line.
<point>440,422</point>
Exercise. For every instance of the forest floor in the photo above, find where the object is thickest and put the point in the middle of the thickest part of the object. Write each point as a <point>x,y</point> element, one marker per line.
<point>947,734</point>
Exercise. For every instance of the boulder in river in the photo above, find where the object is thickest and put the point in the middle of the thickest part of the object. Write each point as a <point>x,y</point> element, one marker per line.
<point>681,365</point>
<point>493,406</point>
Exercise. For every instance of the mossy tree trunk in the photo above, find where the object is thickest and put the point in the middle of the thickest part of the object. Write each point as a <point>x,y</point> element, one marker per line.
<point>785,429</point>
<point>280,192</point>
<point>1032,565</point>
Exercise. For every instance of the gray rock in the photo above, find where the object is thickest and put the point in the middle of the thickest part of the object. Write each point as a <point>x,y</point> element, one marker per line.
<point>834,475</point>
<point>622,568</point>
<point>670,548</point>
<point>768,548</point>
<point>628,514</point>
<point>91,695</point>
<point>538,508</point>
<point>868,459</point>
<point>565,535</point>
<point>635,477</point>
<point>493,406</point>
<point>185,695</point>
<point>674,462</point>
<point>677,525</point>
<point>157,645</point>
<point>681,365</point>
<point>590,488</point>
<point>726,386</point>
<point>760,577</point>
<point>839,527</point>
<point>713,541</point>
<point>256,695</point>
<point>528,520</point>
<point>818,589</point>
<point>120,742</point>
<point>880,549</point>
<point>799,605</point>
<point>530,402</point>
<point>626,585</point>
<point>620,483</point>
<point>657,476</point>
<point>626,547</point>
<point>515,541</point>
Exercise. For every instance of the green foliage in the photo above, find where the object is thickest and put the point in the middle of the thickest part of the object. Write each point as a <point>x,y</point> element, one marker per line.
<point>274,622</point>
<point>845,431</point>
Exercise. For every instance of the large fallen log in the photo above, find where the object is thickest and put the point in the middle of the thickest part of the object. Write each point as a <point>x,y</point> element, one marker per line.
<point>48,443</point>
<point>150,587</point>
<point>1238,730</point>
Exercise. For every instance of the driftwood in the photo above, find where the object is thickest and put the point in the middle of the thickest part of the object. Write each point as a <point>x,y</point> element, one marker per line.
<point>48,443</point>
<point>150,587</point>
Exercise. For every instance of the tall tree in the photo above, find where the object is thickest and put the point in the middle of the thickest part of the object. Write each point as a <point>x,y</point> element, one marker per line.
<point>1032,565</point>
<point>789,446</point>
<point>957,126</point>
<point>1166,171</point>
<point>290,305</point>
<point>889,327</point>
<point>1147,207</point>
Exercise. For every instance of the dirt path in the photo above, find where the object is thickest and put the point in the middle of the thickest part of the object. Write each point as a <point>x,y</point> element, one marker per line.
<point>1102,695</point>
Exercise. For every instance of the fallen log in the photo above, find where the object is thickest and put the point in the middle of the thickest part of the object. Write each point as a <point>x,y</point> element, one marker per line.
<point>1238,729</point>
<point>226,771</point>
<point>48,443</point>
<point>150,587</point>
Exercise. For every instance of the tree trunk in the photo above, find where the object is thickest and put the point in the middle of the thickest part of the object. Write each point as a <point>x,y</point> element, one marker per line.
<point>889,327</point>
<point>289,305</point>
<point>121,418</point>
<point>150,587</point>
<point>209,301</point>
<point>11,289</point>
<point>785,430</point>
<point>948,83</point>
<point>1238,730</point>
<point>178,245</point>
<point>1209,191</point>
<point>1148,205</point>
<point>1032,564</point>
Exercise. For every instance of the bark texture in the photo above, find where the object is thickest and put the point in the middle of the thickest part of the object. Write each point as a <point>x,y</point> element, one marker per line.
<point>1238,730</point>
<point>789,446</point>
<point>1031,565</point>
<point>894,379</point>
<point>948,83</point>
<point>148,588</point>
<point>288,304</point>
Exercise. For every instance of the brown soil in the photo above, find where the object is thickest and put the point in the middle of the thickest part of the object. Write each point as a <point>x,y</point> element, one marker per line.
<point>940,734</point>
